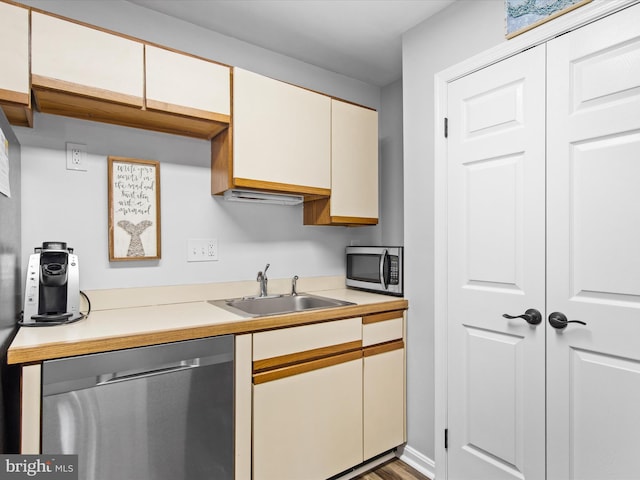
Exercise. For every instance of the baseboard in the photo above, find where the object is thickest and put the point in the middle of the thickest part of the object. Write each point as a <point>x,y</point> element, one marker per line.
<point>417,460</point>
<point>366,466</point>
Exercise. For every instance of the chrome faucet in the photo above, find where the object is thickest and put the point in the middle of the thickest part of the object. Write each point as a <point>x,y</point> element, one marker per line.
<point>294,280</point>
<point>262,278</point>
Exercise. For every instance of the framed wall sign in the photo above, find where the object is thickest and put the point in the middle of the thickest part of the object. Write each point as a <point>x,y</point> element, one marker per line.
<point>523,15</point>
<point>134,209</point>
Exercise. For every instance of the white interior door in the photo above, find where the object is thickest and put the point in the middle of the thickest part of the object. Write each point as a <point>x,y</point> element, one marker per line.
<point>496,232</point>
<point>593,273</point>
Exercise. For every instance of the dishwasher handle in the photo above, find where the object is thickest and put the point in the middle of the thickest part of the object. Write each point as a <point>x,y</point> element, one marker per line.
<point>116,377</point>
<point>63,375</point>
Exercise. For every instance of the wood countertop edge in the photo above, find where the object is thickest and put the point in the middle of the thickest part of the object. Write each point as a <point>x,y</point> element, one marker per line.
<point>39,353</point>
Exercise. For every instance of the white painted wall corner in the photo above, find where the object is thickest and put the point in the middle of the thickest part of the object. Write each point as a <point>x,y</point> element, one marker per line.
<point>417,460</point>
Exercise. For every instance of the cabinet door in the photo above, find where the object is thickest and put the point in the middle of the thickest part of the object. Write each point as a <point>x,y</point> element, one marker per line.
<point>14,58</point>
<point>73,58</point>
<point>186,85</point>
<point>281,136</point>
<point>383,382</point>
<point>308,425</point>
<point>354,162</point>
<point>383,398</point>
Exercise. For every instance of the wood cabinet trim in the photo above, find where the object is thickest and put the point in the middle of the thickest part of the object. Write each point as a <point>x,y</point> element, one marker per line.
<point>306,356</point>
<point>19,115</point>
<point>354,220</point>
<point>318,212</point>
<point>89,108</point>
<point>39,82</point>
<point>187,111</point>
<point>382,317</point>
<point>221,162</point>
<point>281,187</point>
<point>14,97</point>
<point>305,367</point>
<point>383,348</point>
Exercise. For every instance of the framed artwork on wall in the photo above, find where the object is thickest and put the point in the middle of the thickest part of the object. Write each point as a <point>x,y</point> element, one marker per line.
<point>523,15</point>
<point>134,209</point>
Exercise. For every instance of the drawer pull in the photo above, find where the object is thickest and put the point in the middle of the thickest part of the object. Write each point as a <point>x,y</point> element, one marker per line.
<point>381,317</point>
<point>306,356</point>
<point>383,348</point>
<point>305,367</point>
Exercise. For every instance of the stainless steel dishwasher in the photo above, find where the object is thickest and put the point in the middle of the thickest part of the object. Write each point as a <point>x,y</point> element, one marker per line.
<point>163,412</point>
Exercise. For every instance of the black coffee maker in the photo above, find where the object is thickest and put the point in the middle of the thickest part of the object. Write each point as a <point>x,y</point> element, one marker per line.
<point>52,291</point>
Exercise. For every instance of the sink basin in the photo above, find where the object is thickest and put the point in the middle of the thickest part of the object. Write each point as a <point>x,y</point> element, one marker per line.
<point>277,304</point>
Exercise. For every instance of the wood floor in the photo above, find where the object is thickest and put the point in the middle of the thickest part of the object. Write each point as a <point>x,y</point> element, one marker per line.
<point>394,469</point>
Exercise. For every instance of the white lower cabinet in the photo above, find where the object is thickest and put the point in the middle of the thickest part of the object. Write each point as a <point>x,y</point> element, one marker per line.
<point>327,396</point>
<point>383,382</point>
<point>308,425</point>
<point>307,400</point>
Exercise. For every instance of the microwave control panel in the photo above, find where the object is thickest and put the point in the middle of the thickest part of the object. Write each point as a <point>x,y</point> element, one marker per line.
<point>394,270</point>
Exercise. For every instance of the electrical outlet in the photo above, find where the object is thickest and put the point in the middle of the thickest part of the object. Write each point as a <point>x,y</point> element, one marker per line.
<point>76,157</point>
<point>202,249</point>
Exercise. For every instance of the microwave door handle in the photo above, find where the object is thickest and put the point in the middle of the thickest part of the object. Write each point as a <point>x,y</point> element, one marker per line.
<point>384,255</point>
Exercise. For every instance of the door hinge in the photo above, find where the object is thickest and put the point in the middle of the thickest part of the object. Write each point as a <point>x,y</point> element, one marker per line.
<point>446,127</point>
<point>446,438</point>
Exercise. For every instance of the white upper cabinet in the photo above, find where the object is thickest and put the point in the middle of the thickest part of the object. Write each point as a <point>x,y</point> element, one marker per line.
<point>184,84</point>
<point>354,169</point>
<point>85,72</point>
<point>281,135</point>
<point>354,161</point>
<point>14,58</point>
<point>75,58</point>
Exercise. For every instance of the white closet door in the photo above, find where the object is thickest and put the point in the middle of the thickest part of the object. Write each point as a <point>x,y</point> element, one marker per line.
<point>496,219</point>
<point>593,273</point>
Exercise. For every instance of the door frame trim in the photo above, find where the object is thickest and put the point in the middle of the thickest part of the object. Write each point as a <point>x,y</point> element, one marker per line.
<point>542,34</point>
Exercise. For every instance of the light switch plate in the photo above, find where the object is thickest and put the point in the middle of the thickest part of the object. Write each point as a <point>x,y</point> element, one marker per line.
<point>202,249</point>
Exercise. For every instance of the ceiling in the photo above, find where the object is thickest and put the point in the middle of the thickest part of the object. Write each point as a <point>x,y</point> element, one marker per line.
<point>361,39</point>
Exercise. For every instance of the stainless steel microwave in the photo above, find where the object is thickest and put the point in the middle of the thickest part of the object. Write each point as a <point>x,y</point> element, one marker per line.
<point>378,269</point>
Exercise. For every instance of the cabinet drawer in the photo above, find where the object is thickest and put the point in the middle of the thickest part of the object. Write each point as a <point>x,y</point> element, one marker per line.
<point>382,328</point>
<point>288,341</point>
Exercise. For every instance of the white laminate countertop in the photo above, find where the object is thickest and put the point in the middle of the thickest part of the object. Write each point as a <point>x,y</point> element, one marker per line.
<point>133,326</point>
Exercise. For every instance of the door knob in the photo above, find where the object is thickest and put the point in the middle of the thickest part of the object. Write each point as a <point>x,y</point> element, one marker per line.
<point>559,320</point>
<point>532,316</point>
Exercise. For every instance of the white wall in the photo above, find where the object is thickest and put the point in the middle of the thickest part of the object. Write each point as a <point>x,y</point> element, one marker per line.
<point>465,28</point>
<point>391,171</point>
<point>72,206</point>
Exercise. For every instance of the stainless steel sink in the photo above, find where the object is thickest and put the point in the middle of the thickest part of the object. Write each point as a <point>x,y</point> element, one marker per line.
<point>277,304</point>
